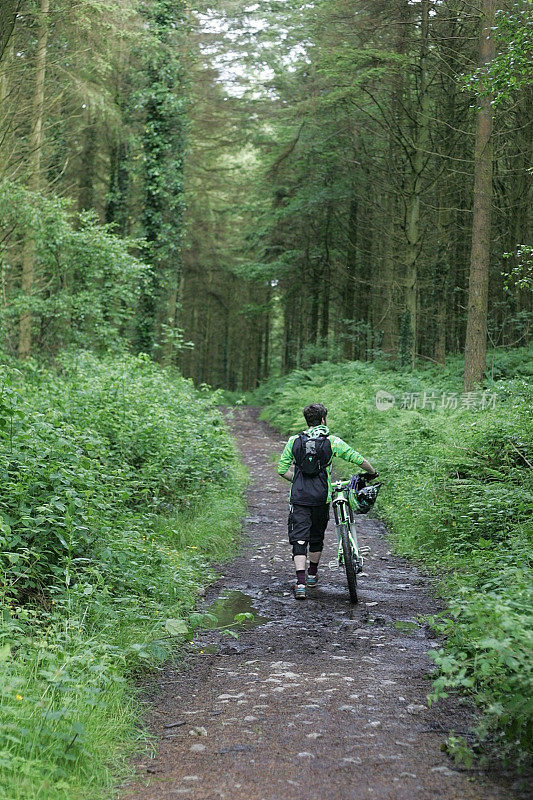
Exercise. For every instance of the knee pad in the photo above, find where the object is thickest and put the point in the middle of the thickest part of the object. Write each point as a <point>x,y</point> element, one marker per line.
<point>299,549</point>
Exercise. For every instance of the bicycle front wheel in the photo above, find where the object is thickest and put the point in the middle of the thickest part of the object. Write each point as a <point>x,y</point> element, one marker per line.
<point>349,564</point>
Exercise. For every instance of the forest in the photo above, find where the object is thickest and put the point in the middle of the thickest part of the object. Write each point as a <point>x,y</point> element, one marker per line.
<point>225,203</point>
<point>334,180</point>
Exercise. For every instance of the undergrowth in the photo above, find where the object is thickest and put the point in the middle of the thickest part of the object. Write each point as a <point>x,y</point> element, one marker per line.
<point>457,496</point>
<point>118,482</point>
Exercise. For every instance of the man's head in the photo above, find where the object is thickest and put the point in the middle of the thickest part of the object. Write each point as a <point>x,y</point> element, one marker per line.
<point>315,414</point>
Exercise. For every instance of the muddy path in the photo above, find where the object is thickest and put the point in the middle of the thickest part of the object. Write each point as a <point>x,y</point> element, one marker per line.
<point>322,700</point>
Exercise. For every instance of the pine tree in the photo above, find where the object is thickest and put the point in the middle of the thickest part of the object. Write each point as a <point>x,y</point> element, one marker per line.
<point>478,289</point>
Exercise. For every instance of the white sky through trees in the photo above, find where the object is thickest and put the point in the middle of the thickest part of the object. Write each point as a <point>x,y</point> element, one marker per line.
<point>243,44</point>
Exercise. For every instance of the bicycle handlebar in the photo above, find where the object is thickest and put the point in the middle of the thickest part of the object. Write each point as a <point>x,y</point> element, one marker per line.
<point>344,484</point>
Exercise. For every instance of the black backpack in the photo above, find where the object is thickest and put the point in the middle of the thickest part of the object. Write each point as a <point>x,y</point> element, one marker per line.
<point>312,455</point>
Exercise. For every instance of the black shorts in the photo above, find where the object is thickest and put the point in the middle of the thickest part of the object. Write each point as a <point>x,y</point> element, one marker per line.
<point>308,524</point>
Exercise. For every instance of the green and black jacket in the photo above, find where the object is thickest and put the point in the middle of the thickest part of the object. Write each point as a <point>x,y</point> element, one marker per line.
<point>302,492</point>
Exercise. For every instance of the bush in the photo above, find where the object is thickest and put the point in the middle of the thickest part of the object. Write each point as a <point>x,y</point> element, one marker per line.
<point>119,480</point>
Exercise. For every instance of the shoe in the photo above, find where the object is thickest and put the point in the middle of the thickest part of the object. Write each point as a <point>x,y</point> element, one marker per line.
<point>299,591</point>
<point>312,580</point>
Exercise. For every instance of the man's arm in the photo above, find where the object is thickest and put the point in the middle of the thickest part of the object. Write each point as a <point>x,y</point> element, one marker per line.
<point>285,461</point>
<point>368,467</point>
<point>343,450</point>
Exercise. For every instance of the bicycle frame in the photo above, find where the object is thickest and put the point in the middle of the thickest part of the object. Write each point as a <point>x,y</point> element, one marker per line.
<point>344,516</point>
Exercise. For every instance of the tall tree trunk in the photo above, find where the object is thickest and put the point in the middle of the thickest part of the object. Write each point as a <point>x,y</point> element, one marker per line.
<point>365,283</point>
<point>162,184</point>
<point>324,314</point>
<point>417,164</point>
<point>313,278</point>
<point>387,318</point>
<point>351,275</point>
<point>266,337</point>
<point>478,286</point>
<point>36,144</point>
<point>401,14</point>
<point>258,342</point>
<point>291,313</point>
<point>8,14</point>
<point>444,310</point>
<point>325,284</point>
<point>5,60</point>
<point>5,107</point>
<point>313,318</point>
<point>522,200</point>
<point>442,269</point>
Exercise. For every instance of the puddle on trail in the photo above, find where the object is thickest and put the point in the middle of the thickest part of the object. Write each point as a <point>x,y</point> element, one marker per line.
<point>406,625</point>
<point>207,649</point>
<point>231,603</point>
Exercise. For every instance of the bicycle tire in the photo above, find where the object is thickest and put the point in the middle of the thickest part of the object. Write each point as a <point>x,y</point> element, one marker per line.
<point>349,564</point>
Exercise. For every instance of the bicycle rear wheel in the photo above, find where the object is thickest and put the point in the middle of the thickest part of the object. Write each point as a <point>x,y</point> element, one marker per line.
<point>349,564</point>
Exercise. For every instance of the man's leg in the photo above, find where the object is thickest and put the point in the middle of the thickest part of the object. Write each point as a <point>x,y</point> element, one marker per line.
<point>319,522</point>
<point>299,529</point>
<point>299,565</point>
<point>314,558</point>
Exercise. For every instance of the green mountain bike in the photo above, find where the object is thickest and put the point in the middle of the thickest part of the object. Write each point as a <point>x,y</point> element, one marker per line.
<point>349,553</point>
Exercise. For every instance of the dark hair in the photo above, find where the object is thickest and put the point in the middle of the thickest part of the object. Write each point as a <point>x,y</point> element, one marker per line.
<point>315,413</point>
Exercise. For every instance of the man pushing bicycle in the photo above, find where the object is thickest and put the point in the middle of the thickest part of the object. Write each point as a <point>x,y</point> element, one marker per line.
<point>310,453</point>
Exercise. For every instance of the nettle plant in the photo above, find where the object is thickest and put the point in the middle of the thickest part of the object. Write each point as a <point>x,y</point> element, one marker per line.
<point>82,450</point>
<point>117,481</point>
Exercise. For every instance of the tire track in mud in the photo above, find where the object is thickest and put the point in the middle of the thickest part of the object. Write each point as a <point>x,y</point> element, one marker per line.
<point>324,701</point>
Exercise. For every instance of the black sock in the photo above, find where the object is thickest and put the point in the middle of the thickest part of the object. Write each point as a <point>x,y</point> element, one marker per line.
<point>300,576</point>
<point>313,568</point>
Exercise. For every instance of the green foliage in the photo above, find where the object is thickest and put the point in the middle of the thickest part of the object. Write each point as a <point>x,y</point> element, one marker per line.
<point>87,282</point>
<point>458,497</point>
<point>521,274</point>
<point>163,101</point>
<point>119,480</point>
<point>511,69</point>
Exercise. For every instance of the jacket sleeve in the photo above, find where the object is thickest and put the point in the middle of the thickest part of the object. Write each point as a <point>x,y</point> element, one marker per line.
<point>286,457</point>
<point>343,450</point>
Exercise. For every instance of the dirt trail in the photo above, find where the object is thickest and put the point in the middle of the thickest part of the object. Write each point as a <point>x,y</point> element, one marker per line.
<point>324,701</point>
